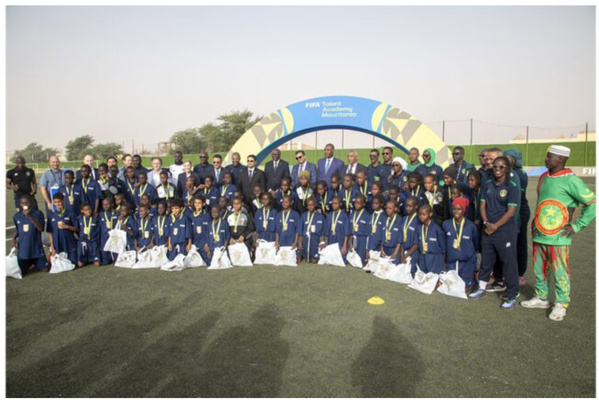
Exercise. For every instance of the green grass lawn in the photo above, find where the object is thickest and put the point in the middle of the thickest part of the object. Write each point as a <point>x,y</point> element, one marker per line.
<point>290,332</point>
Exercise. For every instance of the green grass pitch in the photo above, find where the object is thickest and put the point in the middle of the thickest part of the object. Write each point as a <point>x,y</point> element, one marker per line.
<point>289,332</point>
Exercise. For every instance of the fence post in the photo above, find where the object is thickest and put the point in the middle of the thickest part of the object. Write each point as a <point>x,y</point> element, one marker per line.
<point>471,138</point>
<point>586,143</point>
<point>526,149</point>
<point>443,131</point>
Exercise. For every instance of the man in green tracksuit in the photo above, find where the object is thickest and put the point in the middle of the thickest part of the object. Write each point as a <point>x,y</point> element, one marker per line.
<point>560,192</point>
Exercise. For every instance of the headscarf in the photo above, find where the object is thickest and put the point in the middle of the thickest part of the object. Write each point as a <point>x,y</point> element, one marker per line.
<point>461,202</point>
<point>433,157</point>
<point>401,162</point>
<point>516,155</point>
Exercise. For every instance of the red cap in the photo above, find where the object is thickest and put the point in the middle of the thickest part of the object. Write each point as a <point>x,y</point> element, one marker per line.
<point>462,202</point>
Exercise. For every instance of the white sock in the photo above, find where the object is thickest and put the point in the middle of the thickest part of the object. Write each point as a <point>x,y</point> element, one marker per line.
<point>482,285</point>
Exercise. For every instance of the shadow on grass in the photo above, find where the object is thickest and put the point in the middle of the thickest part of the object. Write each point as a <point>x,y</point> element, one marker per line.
<point>73,370</point>
<point>388,366</point>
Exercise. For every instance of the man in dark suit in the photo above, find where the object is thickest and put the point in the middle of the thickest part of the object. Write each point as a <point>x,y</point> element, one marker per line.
<point>301,166</point>
<point>250,178</point>
<point>353,166</point>
<point>217,170</point>
<point>182,178</point>
<point>203,169</point>
<point>235,168</point>
<point>329,165</point>
<point>275,170</point>
<point>88,160</point>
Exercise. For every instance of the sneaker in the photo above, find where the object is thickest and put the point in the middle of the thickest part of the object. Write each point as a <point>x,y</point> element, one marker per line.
<point>503,296</point>
<point>509,304</point>
<point>496,287</point>
<point>477,293</point>
<point>521,281</point>
<point>535,302</point>
<point>558,313</point>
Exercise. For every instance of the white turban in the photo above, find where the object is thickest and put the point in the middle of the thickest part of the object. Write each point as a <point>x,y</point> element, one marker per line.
<point>401,162</point>
<point>559,150</point>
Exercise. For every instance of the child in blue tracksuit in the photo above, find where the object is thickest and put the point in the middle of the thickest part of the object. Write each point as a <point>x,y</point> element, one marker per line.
<point>61,228</point>
<point>312,225</point>
<point>364,188</point>
<point>107,220</point>
<point>200,222</point>
<point>324,196</point>
<point>462,242</point>
<point>128,224</point>
<point>285,190</point>
<point>337,228</point>
<point>29,223</point>
<point>265,220</point>
<point>218,233</point>
<point>89,190</point>
<point>210,192</point>
<point>89,238</point>
<point>143,187</point>
<point>287,226</point>
<point>144,224</point>
<point>227,189</point>
<point>376,190</point>
<point>392,233</point>
<point>410,229</point>
<point>360,228</point>
<point>145,201</point>
<point>348,193</point>
<point>432,242</point>
<point>377,227</point>
<point>72,203</point>
<point>160,225</point>
<point>130,183</point>
<point>179,235</point>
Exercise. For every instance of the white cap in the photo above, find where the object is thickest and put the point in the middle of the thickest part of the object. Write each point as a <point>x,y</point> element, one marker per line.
<point>559,150</point>
<point>401,161</point>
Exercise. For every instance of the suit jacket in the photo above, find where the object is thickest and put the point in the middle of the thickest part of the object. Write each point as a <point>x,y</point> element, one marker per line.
<point>359,167</point>
<point>337,167</point>
<point>94,174</point>
<point>311,168</point>
<point>273,177</point>
<point>181,179</point>
<point>203,170</point>
<point>247,187</point>
<point>212,171</point>
<point>151,177</point>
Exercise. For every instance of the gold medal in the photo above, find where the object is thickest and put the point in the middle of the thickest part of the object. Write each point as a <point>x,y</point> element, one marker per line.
<point>313,229</point>
<point>458,241</point>
<point>198,229</point>
<point>284,220</point>
<point>26,228</point>
<point>216,238</point>
<point>456,245</point>
<point>355,228</point>
<point>146,234</point>
<point>424,247</point>
<point>424,238</point>
<point>71,199</point>
<point>175,231</point>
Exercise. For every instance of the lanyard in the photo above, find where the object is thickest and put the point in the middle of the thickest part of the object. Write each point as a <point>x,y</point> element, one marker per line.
<point>142,190</point>
<point>87,228</point>
<point>347,199</point>
<point>417,190</point>
<point>223,190</point>
<point>324,202</point>
<point>406,225</point>
<point>59,179</point>
<point>143,227</point>
<point>197,214</point>
<point>265,217</point>
<point>206,190</point>
<point>284,220</point>
<point>161,225</point>
<point>357,219</point>
<point>374,221</point>
<point>424,238</point>
<point>310,218</point>
<point>365,190</point>
<point>215,232</point>
<point>431,200</point>
<point>108,220</point>
<point>174,217</point>
<point>236,220</point>
<point>84,185</point>
<point>166,191</point>
<point>130,187</point>
<point>387,227</point>
<point>334,226</point>
<point>459,235</point>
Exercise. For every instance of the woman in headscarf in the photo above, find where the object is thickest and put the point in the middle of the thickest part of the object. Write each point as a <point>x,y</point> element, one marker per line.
<point>429,166</point>
<point>399,175</point>
<point>515,158</point>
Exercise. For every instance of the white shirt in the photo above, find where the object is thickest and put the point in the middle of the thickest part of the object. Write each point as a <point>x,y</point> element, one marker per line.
<point>175,171</point>
<point>156,177</point>
<point>351,169</point>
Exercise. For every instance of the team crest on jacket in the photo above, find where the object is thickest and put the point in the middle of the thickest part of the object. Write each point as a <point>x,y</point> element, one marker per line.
<point>503,193</point>
<point>551,216</point>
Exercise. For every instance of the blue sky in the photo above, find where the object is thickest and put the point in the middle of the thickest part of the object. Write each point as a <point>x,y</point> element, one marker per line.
<point>147,72</point>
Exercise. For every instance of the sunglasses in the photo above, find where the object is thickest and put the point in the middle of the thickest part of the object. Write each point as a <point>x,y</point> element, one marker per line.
<point>386,153</point>
<point>299,157</point>
<point>426,156</point>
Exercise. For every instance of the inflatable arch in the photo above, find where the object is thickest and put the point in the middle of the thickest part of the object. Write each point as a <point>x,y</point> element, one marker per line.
<point>339,112</point>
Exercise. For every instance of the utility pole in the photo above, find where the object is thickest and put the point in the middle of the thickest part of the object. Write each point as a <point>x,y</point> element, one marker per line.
<point>443,130</point>
<point>586,142</point>
<point>526,148</point>
<point>471,138</point>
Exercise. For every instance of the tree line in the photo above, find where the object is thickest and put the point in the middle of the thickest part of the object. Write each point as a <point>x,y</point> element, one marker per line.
<point>210,137</point>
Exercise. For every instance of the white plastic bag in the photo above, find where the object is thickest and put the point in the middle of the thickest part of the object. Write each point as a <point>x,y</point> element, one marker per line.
<point>452,284</point>
<point>158,256</point>
<point>353,258</point>
<point>331,255</point>
<point>401,273</point>
<point>220,259</point>
<point>266,253</point>
<point>240,255</point>
<point>385,265</point>
<point>61,263</point>
<point>126,259</point>
<point>373,261</point>
<point>144,259</point>
<point>178,264</point>
<point>425,283</point>
<point>193,258</point>
<point>117,240</point>
<point>12,265</point>
<point>286,257</point>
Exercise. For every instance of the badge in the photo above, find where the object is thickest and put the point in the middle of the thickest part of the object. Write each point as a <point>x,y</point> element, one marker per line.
<point>424,247</point>
<point>313,229</point>
<point>207,202</point>
<point>284,227</point>
<point>355,227</point>
<point>175,231</point>
<point>216,238</point>
<point>199,229</point>
<point>26,228</point>
<point>455,244</point>
<point>503,193</point>
<point>147,235</point>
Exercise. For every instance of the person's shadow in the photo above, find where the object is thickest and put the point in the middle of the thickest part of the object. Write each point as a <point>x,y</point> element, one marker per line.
<point>389,365</point>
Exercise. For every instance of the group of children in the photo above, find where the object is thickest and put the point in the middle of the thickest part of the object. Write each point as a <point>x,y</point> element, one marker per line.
<point>411,219</point>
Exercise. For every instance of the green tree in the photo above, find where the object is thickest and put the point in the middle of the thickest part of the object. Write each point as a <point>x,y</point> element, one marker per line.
<point>103,150</point>
<point>187,141</point>
<point>79,147</point>
<point>34,152</point>
<point>212,136</point>
<point>233,125</point>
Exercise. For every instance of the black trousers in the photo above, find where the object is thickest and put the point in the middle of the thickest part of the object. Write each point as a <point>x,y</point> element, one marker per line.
<point>501,247</point>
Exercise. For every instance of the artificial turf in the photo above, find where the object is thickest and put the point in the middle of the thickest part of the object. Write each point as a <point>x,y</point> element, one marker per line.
<point>290,332</point>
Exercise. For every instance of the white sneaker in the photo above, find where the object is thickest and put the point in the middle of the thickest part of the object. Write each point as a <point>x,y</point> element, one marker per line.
<point>535,302</point>
<point>558,313</point>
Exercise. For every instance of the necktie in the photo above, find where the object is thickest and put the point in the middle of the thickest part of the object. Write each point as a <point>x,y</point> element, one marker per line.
<point>275,166</point>
<point>326,169</point>
<point>251,174</point>
<point>217,174</point>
